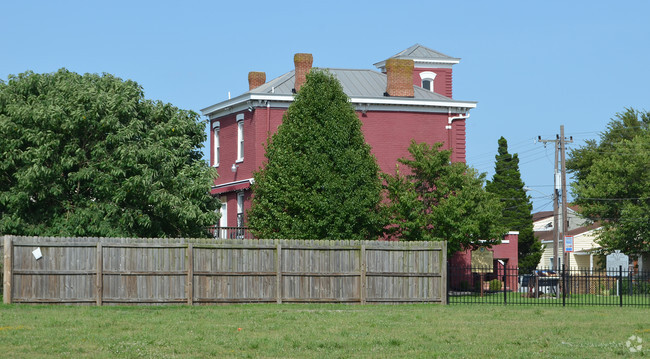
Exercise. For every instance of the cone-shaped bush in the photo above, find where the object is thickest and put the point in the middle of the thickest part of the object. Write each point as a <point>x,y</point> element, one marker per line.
<point>320,180</point>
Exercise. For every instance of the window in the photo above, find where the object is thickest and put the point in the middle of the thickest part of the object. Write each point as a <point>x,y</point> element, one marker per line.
<point>240,215</point>
<point>240,137</point>
<point>427,80</point>
<point>215,143</point>
<point>240,209</point>
<point>223,221</point>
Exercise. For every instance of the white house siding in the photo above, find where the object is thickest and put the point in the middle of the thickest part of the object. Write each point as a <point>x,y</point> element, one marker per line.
<point>584,242</point>
<point>582,256</point>
<point>547,254</point>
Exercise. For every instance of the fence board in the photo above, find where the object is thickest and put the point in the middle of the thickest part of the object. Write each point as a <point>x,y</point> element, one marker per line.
<point>156,271</point>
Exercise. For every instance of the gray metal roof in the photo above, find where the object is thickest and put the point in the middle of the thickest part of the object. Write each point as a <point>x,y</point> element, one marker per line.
<point>281,85</point>
<point>419,52</point>
<point>356,84</point>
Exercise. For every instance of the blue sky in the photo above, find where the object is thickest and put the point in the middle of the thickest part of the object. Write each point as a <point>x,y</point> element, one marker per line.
<point>532,66</point>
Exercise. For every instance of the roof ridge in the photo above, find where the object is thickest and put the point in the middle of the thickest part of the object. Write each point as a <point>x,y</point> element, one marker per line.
<point>410,50</point>
<point>343,69</point>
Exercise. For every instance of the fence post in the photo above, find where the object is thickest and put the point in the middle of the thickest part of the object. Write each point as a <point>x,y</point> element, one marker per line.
<point>278,277</point>
<point>629,283</point>
<point>99,284</point>
<point>190,274</point>
<point>448,282</point>
<point>620,285</point>
<point>445,283</point>
<point>505,276</point>
<point>362,276</point>
<point>563,284</point>
<point>8,269</point>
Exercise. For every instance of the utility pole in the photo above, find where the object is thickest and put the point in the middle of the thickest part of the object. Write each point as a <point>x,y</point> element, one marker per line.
<point>557,183</point>
<point>559,216</point>
<point>564,204</point>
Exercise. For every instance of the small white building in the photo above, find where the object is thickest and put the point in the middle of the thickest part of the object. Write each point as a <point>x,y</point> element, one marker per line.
<point>583,257</point>
<point>584,236</point>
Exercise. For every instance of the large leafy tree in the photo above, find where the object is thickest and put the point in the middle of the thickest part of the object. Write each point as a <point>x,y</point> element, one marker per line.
<point>438,200</point>
<point>613,181</point>
<point>507,185</point>
<point>88,155</point>
<point>320,180</point>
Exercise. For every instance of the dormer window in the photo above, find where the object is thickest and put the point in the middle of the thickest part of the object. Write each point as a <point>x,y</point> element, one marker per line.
<point>427,80</point>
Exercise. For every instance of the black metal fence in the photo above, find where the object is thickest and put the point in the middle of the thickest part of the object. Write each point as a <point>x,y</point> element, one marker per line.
<point>2,278</point>
<point>567,287</point>
<point>230,232</point>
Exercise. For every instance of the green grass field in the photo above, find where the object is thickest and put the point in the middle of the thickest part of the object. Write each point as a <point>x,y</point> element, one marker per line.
<point>321,331</point>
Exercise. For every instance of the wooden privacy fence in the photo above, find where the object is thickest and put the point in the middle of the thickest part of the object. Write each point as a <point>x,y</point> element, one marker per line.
<point>201,271</point>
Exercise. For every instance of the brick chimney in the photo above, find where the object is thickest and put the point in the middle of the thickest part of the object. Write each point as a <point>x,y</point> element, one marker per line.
<point>256,79</point>
<point>303,65</point>
<point>400,77</point>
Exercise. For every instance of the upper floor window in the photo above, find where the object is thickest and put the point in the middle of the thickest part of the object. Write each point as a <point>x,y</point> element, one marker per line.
<point>427,80</point>
<point>240,137</point>
<point>215,143</point>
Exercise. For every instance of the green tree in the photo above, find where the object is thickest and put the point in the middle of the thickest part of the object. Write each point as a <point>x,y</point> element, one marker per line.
<point>87,155</point>
<point>438,200</point>
<point>613,181</point>
<point>507,185</point>
<point>320,180</point>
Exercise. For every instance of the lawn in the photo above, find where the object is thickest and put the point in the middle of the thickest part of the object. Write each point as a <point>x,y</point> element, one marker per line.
<point>320,331</point>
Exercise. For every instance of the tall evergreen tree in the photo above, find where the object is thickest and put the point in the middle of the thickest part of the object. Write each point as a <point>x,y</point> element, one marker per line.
<point>320,180</point>
<point>508,186</point>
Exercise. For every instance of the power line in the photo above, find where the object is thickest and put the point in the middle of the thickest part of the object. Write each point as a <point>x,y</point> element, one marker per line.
<point>613,199</point>
<point>511,147</point>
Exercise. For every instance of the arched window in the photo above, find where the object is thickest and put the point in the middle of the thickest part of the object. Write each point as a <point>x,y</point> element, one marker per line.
<point>427,80</point>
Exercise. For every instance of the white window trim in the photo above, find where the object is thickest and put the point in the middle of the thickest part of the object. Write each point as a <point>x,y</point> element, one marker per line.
<point>240,202</point>
<point>216,126</point>
<point>428,75</point>
<point>223,221</point>
<point>240,138</point>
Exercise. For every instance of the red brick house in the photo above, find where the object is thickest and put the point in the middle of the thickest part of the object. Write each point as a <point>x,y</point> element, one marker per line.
<point>409,98</point>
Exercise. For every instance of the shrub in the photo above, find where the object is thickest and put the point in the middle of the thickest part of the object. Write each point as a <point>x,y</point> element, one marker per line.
<point>495,285</point>
<point>637,287</point>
